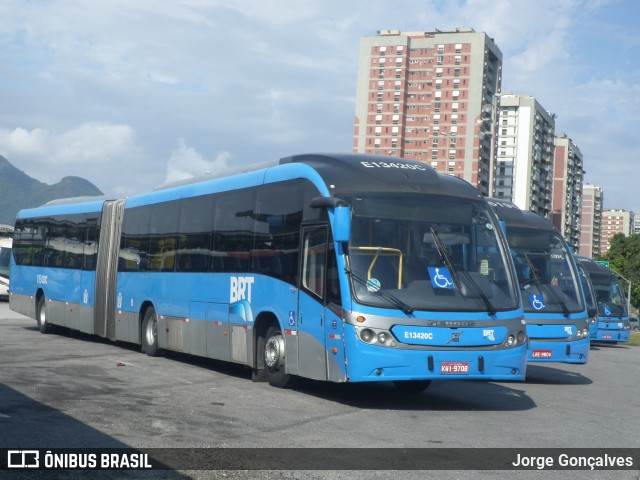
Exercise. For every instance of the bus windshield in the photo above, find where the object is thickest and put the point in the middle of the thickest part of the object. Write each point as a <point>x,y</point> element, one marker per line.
<point>548,280</point>
<point>611,299</point>
<point>427,253</point>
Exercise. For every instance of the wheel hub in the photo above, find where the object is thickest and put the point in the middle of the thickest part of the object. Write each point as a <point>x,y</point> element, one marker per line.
<point>274,352</point>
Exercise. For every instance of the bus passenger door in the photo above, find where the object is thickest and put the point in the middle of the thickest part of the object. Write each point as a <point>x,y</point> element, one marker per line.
<point>312,357</point>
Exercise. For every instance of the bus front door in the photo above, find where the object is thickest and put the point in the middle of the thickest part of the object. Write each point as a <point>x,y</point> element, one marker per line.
<point>311,318</point>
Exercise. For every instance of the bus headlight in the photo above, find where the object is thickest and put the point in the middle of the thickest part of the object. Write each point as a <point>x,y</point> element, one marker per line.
<point>510,341</point>
<point>383,337</point>
<point>367,335</point>
<point>373,336</point>
<point>521,337</point>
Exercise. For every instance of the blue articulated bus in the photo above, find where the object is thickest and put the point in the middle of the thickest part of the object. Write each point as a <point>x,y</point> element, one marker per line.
<point>551,290</point>
<point>345,268</point>
<point>613,316</point>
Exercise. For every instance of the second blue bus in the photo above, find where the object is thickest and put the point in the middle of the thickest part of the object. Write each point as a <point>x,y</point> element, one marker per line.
<point>551,290</point>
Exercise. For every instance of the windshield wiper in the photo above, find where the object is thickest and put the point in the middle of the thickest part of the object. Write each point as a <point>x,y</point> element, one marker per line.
<point>554,294</point>
<point>444,256</point>
<point>491,310</point>
<point>392,299</point>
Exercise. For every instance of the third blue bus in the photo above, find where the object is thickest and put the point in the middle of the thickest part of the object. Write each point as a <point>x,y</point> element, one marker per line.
<point>613,315</point>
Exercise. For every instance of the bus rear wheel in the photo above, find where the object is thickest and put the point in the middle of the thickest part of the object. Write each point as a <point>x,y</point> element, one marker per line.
<point>411,386</point>
<point>41,316</point>
<point>150,332</point>
<point>275,359</point>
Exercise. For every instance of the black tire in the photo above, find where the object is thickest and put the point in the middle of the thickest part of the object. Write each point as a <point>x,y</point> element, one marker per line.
<point>412,386</point>
<point>41,315</point>
<point>259,373</point>
<point>275,359</point>
<point>150,333</point>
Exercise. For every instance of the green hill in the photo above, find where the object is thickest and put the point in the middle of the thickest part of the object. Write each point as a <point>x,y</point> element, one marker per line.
<point>18,190</point>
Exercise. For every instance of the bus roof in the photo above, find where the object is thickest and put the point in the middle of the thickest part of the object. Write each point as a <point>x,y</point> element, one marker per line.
<point>591,266</point>
<point>65,206</point>
<point>332,174</point>
<point>358,173</point>
<point>516,217</point>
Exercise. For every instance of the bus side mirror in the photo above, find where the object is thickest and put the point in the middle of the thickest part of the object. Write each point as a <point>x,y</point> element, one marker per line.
<point>342,224</point>
<point>339,213</point>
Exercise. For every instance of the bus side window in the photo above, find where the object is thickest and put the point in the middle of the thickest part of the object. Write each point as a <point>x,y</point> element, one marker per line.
<point>314,245</point>
<point>333,279</point>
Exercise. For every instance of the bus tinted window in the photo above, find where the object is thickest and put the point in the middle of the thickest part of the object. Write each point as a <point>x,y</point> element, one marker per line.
<point>90,251</point>
<point>54,246</point>
<point>163,236</point>
<point>196,227</point>
<point>278,216</point>
<point>234,229</point>
<point>74,244</point>
<point>59,242</point>
<point>134,245</point>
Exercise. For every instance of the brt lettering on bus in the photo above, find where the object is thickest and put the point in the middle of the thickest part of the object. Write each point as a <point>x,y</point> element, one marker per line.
<point>240,289</point>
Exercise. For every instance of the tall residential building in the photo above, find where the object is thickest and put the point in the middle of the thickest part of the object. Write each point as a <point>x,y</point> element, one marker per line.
<point>591,220</point>
<point>568,178</point>
<point>524,154</point>
<point>613,223</point>
<point>636,224</point>
<point>428,96</point>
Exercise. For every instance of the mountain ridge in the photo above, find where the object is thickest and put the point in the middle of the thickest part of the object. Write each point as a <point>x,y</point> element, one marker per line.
<point>18,190</point>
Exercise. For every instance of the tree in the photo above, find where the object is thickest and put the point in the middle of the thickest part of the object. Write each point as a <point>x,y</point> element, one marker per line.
<point>624,257</point>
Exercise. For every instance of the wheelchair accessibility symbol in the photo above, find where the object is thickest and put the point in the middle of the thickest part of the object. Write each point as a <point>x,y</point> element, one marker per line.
<point>537,302</point>
<point>607,311</point>
<point>440,277</point>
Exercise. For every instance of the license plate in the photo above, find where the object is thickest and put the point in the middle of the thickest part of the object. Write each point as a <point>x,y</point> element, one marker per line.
<point>607,337</point>
<point>541,354</point>
<point>456,368</point>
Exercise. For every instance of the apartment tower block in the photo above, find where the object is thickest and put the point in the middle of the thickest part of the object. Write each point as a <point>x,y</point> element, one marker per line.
<point>568,179</point>
<point>429,96</point>
<point>591,220</point>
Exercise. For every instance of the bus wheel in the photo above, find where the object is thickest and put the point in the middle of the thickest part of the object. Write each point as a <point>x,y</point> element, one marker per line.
<point>41,316</point>
<point>259,373</point>
<point>274,359</point>
<point>411,386</point>
<point>150,332</point>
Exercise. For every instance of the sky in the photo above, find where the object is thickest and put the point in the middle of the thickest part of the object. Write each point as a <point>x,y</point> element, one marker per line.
<point>132,94</point>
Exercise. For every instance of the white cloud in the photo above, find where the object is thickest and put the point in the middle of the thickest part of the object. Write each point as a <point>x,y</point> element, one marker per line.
<point>89,142</point>
<point>90,150</point>
<point>186,162</point>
